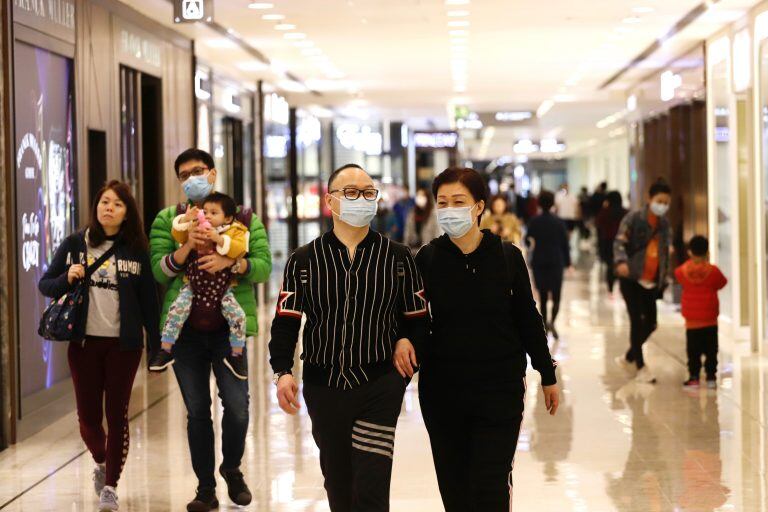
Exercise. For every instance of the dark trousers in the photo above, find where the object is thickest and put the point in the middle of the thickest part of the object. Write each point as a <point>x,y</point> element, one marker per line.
<point>641,306</point>
<point>549,283</point>
<point>473,430</point>
<point>355,432</point>
<point>196,354</point>
<point>702,342</point>
<point>103,378</point>
<point>606,254</point>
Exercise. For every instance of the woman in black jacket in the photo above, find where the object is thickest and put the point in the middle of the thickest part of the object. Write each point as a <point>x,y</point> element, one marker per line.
<point>483,323</point>
<point>548,237</point>
<point>121,299</point>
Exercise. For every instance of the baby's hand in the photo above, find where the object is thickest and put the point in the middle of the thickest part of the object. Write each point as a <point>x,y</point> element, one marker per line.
<point>191,214</point>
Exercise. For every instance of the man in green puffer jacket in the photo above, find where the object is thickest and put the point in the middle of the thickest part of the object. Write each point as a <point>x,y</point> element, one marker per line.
<point>197,353</point>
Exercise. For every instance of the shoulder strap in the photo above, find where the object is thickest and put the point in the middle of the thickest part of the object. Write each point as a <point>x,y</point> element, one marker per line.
<point>509,255</point>
<point>302,261</point>
<point>100,261</point>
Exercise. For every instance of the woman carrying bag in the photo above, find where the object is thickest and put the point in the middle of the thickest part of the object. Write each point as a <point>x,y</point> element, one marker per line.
<point>104,352</point>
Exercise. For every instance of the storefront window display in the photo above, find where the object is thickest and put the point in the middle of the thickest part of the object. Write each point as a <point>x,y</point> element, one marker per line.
<point>310,186</point>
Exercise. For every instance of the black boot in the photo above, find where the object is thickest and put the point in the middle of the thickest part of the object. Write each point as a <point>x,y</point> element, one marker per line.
<point>205,500</point>
<point>237,489</point>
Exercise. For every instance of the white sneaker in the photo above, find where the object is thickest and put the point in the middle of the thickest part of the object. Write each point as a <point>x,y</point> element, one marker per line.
<point>644,376</point>
<point>99,477</point>
<point>108,499</point>
<point>625,365</point>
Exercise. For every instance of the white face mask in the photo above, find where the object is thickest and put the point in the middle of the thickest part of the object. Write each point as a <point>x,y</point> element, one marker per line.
<point>358,212</point>
<point>659,209</point>
<point>456,222</point>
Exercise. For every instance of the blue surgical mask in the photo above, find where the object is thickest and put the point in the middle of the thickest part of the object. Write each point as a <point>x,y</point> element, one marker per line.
<point>659,209</point>
<point>358,212</point>
<point>456,222</point>
<point>197,188</point>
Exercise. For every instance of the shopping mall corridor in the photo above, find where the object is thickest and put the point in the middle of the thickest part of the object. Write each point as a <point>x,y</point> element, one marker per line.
<point>614,445</point>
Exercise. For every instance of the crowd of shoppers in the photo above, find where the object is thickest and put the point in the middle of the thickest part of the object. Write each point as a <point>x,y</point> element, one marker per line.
<point>377,312</point>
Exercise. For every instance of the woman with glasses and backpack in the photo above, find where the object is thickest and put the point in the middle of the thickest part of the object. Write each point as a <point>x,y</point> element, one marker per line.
<point>472,376</point>
<point>110,259</point>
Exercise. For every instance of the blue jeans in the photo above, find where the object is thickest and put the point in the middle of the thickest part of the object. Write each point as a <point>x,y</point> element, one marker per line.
<point>196,353</point>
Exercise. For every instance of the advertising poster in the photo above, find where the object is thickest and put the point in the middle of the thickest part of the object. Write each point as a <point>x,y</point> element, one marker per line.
<point>45,200</point>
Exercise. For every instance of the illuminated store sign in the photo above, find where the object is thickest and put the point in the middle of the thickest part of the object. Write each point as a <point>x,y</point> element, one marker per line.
<point>191,11</point>
<point>513,117</point>
<point>358,138</point>
<point>140,48</point>
<point>436,140</point>
<point>670,82</point>
<point>53,17</point>
<point>276,109</point>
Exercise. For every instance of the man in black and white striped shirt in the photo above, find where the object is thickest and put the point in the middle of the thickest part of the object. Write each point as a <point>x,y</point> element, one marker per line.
<point>364,300</point>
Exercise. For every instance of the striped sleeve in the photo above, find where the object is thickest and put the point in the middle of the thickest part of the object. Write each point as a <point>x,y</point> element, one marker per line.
<point>287,322</point>
<point>413,304</point>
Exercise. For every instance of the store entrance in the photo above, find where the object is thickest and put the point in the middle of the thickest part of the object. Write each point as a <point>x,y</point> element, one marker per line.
<point>141,139</point>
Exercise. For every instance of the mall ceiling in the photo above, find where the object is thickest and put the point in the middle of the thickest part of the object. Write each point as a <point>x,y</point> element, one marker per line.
<point>411,59</point>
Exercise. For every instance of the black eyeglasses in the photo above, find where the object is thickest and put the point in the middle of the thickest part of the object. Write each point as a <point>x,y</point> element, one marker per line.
<point>195,171</point>
<point>351,193</point>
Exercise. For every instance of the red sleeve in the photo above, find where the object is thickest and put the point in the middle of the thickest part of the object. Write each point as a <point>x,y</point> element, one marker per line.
<point>680,275</point>
<point>719,278</point>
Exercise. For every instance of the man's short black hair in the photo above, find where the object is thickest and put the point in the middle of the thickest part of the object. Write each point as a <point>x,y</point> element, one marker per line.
<point>699,246</point>
<point>338,171</point>
<point>227,204</point>
<point>546,200</point>
<point>193,154</point>
<point>659,187</point>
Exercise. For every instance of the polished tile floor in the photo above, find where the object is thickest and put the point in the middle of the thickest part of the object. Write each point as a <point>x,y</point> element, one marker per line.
<point>614,445</point>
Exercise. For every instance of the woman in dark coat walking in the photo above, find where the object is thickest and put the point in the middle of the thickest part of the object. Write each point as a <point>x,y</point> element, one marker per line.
<point>607,222</point>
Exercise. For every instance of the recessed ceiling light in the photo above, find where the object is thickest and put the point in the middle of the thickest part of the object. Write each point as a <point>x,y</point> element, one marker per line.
<point>304,44</point>
<point>260,5</point>
<point>457,14</point>
<point>285,26</point>
<point>311,51</point>
<point>642,10</point>
<point>273,17</point>
<point>459,32</point>
<point>631,20</point>
<point>295,35</point>
<point>458,23</point>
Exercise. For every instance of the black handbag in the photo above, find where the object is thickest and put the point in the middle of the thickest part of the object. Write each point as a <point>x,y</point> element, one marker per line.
<point>64,318</point>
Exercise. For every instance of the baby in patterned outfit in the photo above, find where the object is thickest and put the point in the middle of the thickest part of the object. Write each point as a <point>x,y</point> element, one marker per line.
<point>207,299</point>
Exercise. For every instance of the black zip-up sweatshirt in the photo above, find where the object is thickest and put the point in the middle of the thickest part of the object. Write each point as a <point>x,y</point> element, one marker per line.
<point>139,305</point>
<point>477,325</point>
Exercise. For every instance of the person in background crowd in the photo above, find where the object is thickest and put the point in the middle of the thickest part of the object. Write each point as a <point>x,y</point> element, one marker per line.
<point>701,281</point>
<point>401,209</point>
<point>567,208</point>
<point>501,222</point>
<point>483,323</point>
<point>607,223</point>
<point>641,253</point>
<point>203,343</point>
<point>531,207</point>
<point>586,214</point>
<point>120,306</point>
<point>363,299</point>
<point>597,199</point>
<point>548,238</point>
<point>421,226</point>
<point>512,199</point>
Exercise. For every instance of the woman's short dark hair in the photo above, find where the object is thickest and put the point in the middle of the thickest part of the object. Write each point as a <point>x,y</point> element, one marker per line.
<point>228,205</point>
<point>659,187</point>
<point>132,230</point>
<point>699,246</point>
<point>546,200</point>
<point>191,154</point>
<point>470,178</point>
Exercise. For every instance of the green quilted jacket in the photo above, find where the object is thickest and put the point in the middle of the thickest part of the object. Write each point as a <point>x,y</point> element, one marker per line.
<point>162,244</point>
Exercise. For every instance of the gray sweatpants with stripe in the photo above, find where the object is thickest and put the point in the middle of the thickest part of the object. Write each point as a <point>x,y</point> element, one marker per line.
<point>355,432</point>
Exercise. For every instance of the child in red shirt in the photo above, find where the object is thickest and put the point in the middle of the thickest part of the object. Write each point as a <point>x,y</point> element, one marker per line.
<point>701,281</point>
